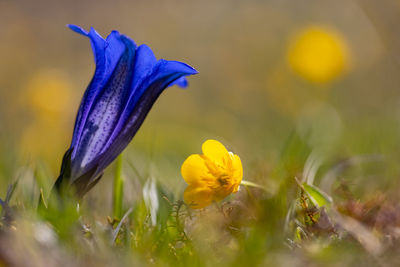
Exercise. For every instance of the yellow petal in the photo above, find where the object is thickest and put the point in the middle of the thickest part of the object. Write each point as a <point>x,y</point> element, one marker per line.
<point>198,197</point>
<point>237,171</point>
<point>222,192</point>
<point>214,150</point>
<point>194,169</point>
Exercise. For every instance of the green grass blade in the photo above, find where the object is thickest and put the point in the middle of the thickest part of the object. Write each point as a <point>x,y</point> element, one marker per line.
<point>118,193</point>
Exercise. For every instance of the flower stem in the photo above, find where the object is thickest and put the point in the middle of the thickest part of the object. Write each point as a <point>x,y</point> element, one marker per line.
<point>118,193</point>
<point>248,183</point>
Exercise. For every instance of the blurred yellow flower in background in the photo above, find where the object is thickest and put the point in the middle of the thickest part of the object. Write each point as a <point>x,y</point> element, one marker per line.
<point>211,176</point>
<point>47,96</point>
<point>48,93</point>
<point>318,54</point>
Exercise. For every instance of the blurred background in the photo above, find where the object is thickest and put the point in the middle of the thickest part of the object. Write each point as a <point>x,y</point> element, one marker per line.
<point>325,71</point>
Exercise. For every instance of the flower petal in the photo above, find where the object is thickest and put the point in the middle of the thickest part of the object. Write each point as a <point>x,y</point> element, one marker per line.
<point>215,151</point>
<point>181,82</point>
<point>97,42</point>
<point>105,110</point>
<point>198,197</point>
<point>116,47</point>
<point>107,54</point>
<point>143,67</point>
<point>194,170</point>
<point>144,64</point>
<point>138,106</point>
<point>237,172</point>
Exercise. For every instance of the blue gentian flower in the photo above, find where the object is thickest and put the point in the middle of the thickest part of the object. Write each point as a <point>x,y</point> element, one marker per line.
<point>127,81</point>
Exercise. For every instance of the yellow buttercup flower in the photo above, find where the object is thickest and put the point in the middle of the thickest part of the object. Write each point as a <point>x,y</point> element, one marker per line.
<point>211,176</point>
<point>318,54</point>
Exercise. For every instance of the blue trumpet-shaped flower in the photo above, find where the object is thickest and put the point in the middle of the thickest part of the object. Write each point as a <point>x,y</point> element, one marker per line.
<point>127,81</point>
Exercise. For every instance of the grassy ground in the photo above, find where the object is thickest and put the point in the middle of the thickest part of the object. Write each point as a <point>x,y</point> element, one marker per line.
<point>286,222</point>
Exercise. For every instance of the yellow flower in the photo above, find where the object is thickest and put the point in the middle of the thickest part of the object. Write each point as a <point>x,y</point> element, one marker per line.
<point>211,176</point>
<point>47,96</point>
<point>318,54</point>
<point>49,93</point>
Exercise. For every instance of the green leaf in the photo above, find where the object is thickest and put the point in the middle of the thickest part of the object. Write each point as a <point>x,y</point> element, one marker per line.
<point>318,197</point>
